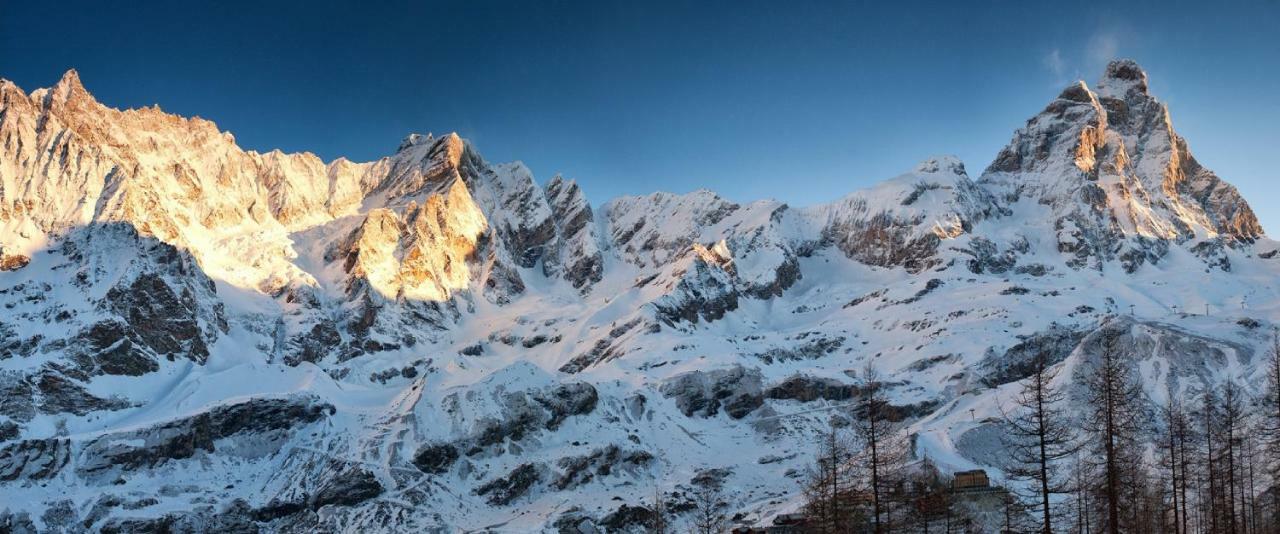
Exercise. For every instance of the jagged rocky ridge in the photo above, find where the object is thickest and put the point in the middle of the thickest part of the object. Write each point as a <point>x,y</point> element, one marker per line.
<point>196,336</point>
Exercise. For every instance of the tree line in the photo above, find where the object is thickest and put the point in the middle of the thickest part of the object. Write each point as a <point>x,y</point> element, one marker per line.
<point>1201,461</point>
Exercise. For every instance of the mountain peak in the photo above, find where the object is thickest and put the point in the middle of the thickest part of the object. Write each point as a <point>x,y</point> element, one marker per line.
<point>1122,77</point>
<point>941,163</point>
<point>68,90</point>
<point>1124,69</point>
<point>413,139</point>
<point>69,83</point>
<point>1077,92</point>
<point>71,78</point>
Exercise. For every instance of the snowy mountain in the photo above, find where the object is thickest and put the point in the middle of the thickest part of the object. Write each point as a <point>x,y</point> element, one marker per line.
<point>196,336</point>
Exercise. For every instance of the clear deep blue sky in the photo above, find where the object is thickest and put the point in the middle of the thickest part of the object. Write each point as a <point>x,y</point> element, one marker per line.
<point>800,101</point>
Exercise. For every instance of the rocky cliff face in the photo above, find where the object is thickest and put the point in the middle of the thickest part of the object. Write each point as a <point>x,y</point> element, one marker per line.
<point>195,336</point>
<point>903,221</point>
<point>578,260</point>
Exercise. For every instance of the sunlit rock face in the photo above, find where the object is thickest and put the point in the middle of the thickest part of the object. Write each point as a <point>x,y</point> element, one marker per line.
<point>1119,181</point>
<point>421,253</point>
<point>434,342</point>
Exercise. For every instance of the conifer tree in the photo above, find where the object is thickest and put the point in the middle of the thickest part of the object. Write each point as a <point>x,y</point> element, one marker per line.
<point>1038,435</point>
<point>1113,423</point>
<point>884,451</point>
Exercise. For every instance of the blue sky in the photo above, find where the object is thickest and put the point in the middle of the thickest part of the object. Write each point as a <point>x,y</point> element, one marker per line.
<point>800,101</point>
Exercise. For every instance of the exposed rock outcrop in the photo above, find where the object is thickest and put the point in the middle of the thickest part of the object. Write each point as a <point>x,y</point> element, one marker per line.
<point>703,287</point>
<point>267,420</point>
<point>579,259</point>
<point>736,390</point>
<point>34,459</point>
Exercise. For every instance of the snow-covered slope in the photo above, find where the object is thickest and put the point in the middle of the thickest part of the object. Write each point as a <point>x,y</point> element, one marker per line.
<point>198,336</point>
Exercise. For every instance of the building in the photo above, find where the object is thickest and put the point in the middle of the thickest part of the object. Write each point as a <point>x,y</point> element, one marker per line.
<point>970,480</point>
